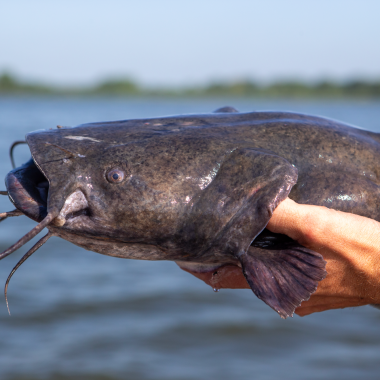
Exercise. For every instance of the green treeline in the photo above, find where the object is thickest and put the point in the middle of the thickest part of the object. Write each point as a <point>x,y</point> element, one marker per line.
<point>9,85</point>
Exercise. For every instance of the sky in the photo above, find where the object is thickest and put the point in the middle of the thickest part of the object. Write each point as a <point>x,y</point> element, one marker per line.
<point>174,43</point>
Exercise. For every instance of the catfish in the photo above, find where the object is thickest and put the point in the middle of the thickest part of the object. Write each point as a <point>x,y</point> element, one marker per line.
<point>198,190</point>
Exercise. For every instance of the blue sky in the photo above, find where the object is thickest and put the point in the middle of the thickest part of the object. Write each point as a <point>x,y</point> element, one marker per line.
<point>168,42</point>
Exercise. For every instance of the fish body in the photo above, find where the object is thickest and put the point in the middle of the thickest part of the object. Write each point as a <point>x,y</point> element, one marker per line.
<point>200,190</point>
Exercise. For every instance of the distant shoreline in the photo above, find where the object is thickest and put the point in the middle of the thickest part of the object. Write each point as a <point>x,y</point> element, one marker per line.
<point>355,89</point>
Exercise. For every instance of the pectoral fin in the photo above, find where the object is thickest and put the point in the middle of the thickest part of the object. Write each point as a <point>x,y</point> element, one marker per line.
<point>234,209</point>
<point>283,278</point>
<point>237,205</point>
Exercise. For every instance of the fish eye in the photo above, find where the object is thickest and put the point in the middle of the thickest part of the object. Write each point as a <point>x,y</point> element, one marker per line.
<point>115,175</point>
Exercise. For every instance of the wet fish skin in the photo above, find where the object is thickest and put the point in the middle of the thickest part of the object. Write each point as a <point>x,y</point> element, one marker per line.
<point>200,189</point>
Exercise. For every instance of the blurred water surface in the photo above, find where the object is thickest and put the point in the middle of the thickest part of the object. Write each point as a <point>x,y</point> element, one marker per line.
<point>81,315</point>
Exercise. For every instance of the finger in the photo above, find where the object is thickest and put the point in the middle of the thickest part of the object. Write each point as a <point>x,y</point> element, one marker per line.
<point>347,241</point>
<point>314,226</point>
<point>322,303</point>
<point>286,219</point>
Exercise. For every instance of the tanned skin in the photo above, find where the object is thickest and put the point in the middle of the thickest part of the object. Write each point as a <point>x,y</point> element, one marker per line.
<point>349,243</point>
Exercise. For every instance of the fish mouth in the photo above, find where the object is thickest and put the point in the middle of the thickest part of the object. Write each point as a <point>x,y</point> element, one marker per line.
<point>28,190</point>
<point>41,186</point>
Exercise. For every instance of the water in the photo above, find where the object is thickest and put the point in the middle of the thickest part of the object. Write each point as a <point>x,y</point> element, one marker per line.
<point>81,315</point>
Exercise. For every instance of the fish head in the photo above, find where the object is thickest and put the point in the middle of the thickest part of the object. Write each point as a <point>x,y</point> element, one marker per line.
<point>104,181</point>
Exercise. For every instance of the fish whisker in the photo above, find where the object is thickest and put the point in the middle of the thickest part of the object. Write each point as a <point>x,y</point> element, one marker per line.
<point>39,244</point>
<point>11,151</point>
<point>30,235</point>
<point>5,215</point>
<point>3,192</point>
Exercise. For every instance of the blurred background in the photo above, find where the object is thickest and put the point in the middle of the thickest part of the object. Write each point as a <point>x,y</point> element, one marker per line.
<point>80,315</point>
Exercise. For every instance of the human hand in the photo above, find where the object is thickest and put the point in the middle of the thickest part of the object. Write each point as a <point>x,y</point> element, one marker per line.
<point>349,243</point>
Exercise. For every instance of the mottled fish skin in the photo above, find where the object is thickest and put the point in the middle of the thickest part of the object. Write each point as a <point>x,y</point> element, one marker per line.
<point>337,164</point>
<point>201,189</point>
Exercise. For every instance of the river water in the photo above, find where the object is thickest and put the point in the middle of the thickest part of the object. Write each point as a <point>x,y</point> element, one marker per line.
<point>80,315</point>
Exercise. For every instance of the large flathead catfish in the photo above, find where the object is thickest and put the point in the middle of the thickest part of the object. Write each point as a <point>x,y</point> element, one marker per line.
<point>199,190</point>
